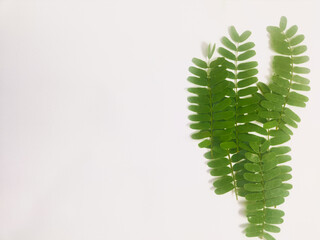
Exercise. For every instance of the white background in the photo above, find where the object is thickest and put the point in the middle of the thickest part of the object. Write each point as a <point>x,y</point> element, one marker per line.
<point>94,137</point>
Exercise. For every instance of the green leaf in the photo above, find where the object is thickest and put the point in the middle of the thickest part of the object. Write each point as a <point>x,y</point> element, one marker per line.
<point>223,115</point>
<point>277,192</point>
<point>254,228</point>
<point>247,65</point>
<point>274,201</point>
<point>248,109</point>
<point>296,40</point>
<point>299,50</point>
<point>272,184</point>
<point>200,126</point>
<point>269,114</point>
<point>226,53</point>
<point>285,169</point>
<point>199,91</point>
<point>299,79</point>
<point>200,63</point>
<point>247,73</point>
<point>201,135</point>
<point>265,146</point>
<point>272,174</point>
<point>255,205</point>
<point>256,219</point>
<point>282,60</point>
<point>199,109</point>
<point>199,100</point>
<point>224,189</point>
<point>198,72</point>
<point>247,91</point>
<point>252,177</point>
<point>291,31</point>
<point>255,146</point>
<point>234,34</point>
<point>282,82</point>
<point>291,114</point>
<point>246,46</point>
<point>272,220</point>
<point>231,75</point>
<point>274,213</point>
<point>274,98</point>
<point>254,196</point>
<point>226,42</point>
<point>211,51</point>
<point>300,87</point>
<point>248,101</point>
<point>223,124</point>
<point>199,117</point>
<point>252,157</point>
<point>250,127</point>
<point>248,137</point>
<point>279,140</point>
<point>198,81</point>
<point>205,143</point>
<point>280,150</point>
<point>267,236</point>
<point>271,228</point>
<point>298,97</point>
<point>270,124</point>
<point>220,171</point>
<point>222,105</point>
<point>289,121</point>
<point>221,181</point>
<point>301,59</point>
<point>253,187</point>
<point>247,82</point>
<point>239,166</point>
<point>230,65</point>
<point>247,118</point>
<point>286,186</point>
<point>285,177</point>
<point>220,87</point>
<point>228,145</point>
<point>301,70</point>
<point>283,158</point>
<point>269,164</point>
<point>252,167</point>
<point>268,156</point>
<point>285,129</point>
<point>246,55</point>
<point>254,234</point>
<point>263,87</point>
<point>271,105</point>
<point>283,23</point>
<point>237,156</point>
<point>296,103</point>
<point>244,146</point>
<point>244,36</point>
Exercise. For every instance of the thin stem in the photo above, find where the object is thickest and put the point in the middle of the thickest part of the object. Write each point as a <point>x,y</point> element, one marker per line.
<point>233,176</point>
<point>236,97</point>
<point>290,84</point>
<point>264,197</point>
<point>211,139</point>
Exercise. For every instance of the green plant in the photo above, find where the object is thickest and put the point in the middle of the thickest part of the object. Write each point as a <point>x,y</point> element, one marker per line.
<point>244,123</point>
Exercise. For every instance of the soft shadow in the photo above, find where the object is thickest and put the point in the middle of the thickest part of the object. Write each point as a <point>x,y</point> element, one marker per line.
<point>242,212</point>
<point>204,49</point>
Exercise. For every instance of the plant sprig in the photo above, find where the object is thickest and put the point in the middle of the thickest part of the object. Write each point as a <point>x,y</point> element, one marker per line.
<point>244,123</point>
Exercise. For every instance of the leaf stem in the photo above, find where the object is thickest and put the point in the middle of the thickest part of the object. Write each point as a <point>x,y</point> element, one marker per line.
<point>290,84</point>
<point>233,176</point>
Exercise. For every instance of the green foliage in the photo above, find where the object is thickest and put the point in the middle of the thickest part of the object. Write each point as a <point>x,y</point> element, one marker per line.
<point>244,123</point>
